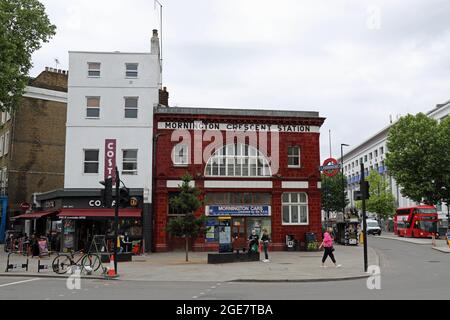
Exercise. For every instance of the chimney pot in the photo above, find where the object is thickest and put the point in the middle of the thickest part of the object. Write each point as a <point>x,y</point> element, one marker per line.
<point>46,68</point>
<point>155,32</point>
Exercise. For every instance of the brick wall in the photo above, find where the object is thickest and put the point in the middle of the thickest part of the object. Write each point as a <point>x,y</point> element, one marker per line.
<point>36,161</point>
<point>51,79</point>
<point>310,161</point>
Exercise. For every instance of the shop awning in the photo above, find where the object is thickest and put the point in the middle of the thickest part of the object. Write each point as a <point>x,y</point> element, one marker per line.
<point>99,213</point>
<point>36,214</point>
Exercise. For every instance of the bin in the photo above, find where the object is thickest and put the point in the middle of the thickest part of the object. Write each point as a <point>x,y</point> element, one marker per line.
<point>310,237</point>
<point>291,242</point>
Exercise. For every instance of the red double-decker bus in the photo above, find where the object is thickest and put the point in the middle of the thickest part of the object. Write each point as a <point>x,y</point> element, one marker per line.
<point>416,222</point>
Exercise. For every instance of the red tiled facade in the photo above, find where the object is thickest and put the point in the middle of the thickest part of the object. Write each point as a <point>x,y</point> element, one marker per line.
<point>285,180</point>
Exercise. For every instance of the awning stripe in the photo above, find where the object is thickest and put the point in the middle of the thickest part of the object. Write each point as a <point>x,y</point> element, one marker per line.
<point>100,213</point>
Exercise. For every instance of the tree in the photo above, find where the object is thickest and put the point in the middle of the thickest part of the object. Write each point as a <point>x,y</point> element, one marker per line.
<point>24,26</point>
<point>187,226</point>
<point>381,201</point>
<point>332,200</point>
<point>418,157</point>
<point>444,140</point>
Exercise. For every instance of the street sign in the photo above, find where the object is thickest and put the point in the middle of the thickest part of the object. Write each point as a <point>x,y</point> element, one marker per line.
<point>25,206</point>
<point>330,167</point>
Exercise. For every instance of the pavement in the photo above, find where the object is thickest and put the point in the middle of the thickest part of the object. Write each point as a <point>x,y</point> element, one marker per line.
<point>171,266</point>
<point>408,271</point>
<point>440,245</point>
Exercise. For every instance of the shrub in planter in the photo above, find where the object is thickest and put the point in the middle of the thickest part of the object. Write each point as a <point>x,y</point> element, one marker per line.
<point>312,246</point>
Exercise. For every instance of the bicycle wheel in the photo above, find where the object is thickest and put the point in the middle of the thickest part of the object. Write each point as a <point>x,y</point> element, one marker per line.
<point>92,261</point>
<point>61,264</point>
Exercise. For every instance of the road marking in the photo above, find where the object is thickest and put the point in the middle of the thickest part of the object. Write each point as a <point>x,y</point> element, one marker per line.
<point>194,297</point>
<point>18,282</point>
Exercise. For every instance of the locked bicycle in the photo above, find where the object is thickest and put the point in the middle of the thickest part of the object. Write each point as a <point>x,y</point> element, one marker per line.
<point>86,262</point>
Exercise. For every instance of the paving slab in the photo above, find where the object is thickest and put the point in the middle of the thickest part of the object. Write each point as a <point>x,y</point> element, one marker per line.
<point>283,267</point>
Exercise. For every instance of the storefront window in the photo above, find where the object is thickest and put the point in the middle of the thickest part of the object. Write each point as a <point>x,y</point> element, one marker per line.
<point>295,209</point>
<point>259,224</point>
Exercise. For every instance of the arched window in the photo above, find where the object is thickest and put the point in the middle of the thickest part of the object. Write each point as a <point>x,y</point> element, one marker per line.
<point>238,160</point>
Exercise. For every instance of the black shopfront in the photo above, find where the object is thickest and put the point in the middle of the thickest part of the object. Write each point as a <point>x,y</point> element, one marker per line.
<point>82,219</point>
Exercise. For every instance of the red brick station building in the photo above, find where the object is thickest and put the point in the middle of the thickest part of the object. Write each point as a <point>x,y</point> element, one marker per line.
<point>256,169</point>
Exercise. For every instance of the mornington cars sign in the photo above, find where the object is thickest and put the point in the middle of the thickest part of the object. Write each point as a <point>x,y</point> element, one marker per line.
<point>238,210</point>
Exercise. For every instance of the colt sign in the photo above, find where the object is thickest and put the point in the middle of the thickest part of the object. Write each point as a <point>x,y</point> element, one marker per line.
<point>110,159</point>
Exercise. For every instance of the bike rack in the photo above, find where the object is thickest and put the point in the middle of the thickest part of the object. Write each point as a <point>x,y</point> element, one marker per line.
<point>42,266</point>
<point>12,266</point>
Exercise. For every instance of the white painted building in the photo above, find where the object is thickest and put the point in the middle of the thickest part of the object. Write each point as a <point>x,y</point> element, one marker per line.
<point>111,95</point>
<point>372,152</point>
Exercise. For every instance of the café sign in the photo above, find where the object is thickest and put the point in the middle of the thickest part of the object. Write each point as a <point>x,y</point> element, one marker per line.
<point>110,159</point>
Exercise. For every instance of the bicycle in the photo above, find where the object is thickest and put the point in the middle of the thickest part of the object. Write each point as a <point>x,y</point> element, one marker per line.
<point>63,262</point>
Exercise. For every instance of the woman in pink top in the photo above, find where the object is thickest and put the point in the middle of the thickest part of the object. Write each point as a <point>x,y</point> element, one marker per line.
<point>327,244</point>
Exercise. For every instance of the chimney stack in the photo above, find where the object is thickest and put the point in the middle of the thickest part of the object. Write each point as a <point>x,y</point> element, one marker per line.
<point>155,43</point>
<point>164,97</point>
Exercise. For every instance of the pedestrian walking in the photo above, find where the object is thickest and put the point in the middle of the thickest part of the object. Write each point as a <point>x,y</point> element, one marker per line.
<point>327,244</point>
<point>265,239</point>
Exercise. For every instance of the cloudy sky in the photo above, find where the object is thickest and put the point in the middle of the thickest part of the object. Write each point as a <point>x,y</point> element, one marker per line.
<point>355,61</point>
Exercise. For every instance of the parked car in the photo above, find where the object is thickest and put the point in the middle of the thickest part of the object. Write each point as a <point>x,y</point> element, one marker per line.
<point>373,227</point>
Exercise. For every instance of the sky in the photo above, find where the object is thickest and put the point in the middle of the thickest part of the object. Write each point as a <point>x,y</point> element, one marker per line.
<point>356,62</point>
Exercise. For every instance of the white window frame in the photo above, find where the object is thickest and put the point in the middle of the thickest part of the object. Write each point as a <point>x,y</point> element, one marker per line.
<point>84,162</point>
<point>94,70</point>
<point>93,108</point>
<point>182,161</point>
<point>134,71</point>
<point>130,160</point>
<point>2,142</point>
<point>131,108</point>
<point>292,156</point>
<point>242,158</point>
<point>290,204</point>
<point>6,145</point>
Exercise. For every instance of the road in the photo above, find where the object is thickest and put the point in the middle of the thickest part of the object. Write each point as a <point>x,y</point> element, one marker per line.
<point>408,271</point>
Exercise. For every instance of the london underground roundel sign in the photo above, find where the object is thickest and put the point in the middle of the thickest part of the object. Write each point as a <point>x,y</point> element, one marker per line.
<point>330,167</point>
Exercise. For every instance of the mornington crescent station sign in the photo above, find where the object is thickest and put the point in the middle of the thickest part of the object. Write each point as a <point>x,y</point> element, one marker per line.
<point>213,126</point>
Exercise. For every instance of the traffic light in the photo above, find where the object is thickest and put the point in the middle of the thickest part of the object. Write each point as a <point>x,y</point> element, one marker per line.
<point>124,197</point>
<point>364,188</point>
<point>106,193</point>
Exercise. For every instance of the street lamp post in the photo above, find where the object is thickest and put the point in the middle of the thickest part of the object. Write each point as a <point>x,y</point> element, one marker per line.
<point>343,177</point>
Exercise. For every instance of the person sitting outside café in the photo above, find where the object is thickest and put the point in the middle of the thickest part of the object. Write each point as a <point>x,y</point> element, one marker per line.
<point>253,242</point>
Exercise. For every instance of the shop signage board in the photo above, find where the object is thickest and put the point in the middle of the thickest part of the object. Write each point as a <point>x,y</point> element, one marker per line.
<point>238,127</point>
<point>239,210</point>
<point>110,158</point>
